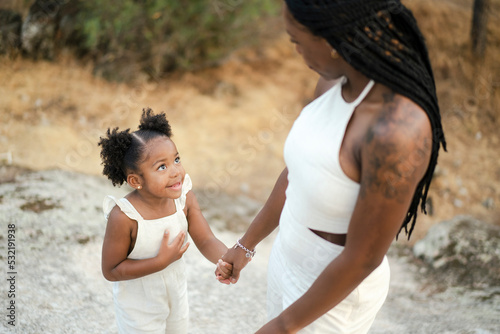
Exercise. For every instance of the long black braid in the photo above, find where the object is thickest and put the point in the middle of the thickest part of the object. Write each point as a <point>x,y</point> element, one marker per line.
<point>381,39</point>
<point>122,151</point>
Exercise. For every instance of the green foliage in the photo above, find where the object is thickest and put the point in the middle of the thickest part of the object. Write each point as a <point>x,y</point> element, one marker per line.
<point>163,35</point>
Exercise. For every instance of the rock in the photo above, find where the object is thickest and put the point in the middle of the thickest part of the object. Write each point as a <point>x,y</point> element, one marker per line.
<point>462,252</point>
<point>39,29</point>
<point>489,203</point>
<point>49,24</point>
<point>10,32</point>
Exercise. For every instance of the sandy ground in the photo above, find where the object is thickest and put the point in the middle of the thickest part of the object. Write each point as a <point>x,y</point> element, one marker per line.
<point>230,122</point>
<point>59,287</point>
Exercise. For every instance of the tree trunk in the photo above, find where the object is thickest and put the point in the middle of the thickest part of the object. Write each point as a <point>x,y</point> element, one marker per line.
<point>479,29</point>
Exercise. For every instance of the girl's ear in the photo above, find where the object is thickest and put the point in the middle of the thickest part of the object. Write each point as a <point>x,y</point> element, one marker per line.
<point>134,181</point>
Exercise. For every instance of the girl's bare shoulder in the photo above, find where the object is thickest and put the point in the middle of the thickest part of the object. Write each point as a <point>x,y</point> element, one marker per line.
<point>119,220</point>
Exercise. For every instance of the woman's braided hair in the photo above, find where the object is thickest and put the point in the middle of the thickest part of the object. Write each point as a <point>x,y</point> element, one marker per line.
<point>122,151</point>
<point>381,39</point>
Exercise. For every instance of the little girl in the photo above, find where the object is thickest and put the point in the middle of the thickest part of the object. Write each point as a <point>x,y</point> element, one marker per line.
<point>146,230</point>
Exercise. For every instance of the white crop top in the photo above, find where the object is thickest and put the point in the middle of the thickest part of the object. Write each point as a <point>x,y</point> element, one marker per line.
<point>319,194</point>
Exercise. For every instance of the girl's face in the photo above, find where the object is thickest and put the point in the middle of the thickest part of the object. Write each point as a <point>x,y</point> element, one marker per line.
<point>162,171</point>
<point>315,50</point>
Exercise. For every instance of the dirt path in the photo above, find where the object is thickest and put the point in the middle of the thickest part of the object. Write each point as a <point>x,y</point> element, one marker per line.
<point>230,122</point>
<point>60,289</point>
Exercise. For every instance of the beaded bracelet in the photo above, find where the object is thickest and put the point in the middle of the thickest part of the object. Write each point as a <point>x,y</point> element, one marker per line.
<point>250,253</point>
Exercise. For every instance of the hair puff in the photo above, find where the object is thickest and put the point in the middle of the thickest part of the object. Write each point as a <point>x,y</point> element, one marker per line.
<point>114,148</point>
<point>157,123</point>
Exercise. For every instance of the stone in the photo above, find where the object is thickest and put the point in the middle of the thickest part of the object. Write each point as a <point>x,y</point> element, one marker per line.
<point>49,24</point>
<point>463,251</point>
<point>39,29</point>
<point>10,32</point>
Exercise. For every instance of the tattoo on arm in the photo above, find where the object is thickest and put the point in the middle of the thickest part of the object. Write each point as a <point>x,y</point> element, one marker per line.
<point>395,151</point>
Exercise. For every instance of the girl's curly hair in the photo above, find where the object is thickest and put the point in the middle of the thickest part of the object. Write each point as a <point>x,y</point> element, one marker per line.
<point>123,150</point>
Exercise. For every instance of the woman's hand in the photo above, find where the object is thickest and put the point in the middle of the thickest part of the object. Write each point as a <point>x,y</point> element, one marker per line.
<point>263,224</point>
<point>235,257</point>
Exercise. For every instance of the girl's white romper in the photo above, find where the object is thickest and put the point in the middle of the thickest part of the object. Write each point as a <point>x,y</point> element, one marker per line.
<point>156,303</point>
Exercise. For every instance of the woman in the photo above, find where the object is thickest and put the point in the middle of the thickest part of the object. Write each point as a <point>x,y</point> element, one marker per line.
<point>359,159</point>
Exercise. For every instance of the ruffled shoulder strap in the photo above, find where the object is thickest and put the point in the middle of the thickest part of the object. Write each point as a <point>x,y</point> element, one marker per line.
<point>124,205</point>
<point>187,185</point>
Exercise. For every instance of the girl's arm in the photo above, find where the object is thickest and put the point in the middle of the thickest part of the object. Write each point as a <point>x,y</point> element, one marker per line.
<point>264,223</point>
<point>115,249</point>
<point>394,157</point>
<point>201,233</point>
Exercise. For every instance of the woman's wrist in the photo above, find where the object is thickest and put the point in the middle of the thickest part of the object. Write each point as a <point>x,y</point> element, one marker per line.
<point>249,252</point>
<point>247,242</point>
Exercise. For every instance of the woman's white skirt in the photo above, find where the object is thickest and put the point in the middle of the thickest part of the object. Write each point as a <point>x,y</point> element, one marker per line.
<point>298,257</point>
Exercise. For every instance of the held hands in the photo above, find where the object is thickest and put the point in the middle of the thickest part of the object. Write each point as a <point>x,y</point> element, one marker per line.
<point>223,272</point>
<point>172,252</point>
<point>229,267</point>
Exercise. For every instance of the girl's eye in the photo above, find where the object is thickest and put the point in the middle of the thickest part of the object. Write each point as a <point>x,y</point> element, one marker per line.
<point>178,160</point>
<point>162,167</point>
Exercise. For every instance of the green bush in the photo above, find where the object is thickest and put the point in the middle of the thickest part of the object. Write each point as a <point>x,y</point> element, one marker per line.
<point>166,35</point>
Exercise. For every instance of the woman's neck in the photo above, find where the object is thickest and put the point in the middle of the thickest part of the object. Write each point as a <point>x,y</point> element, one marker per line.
<point>354,85</point>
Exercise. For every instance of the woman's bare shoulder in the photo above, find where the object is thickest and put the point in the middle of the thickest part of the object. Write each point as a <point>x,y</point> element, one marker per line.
<point>398,141</point>
<point>401,116</point>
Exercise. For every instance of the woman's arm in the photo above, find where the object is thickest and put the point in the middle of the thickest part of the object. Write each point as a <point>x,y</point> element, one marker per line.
<point>203,237</point>
<point>268,218</point>
<point>263,224</point>
<point>115,264</point>
<point>394,157</point>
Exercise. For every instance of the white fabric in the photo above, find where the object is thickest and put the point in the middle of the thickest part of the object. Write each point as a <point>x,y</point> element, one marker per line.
<point>155,303</point>
<point>297,258</point>
<point>319,193</point>
<point>320,196</point>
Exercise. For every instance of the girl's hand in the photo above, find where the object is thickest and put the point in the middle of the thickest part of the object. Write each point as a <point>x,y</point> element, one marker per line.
<point>236,257</point>
<point>223,271</point>
<point>173,252</point>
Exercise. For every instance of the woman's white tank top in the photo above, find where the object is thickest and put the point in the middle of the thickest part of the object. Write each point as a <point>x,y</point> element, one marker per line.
<point>319,194</point>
